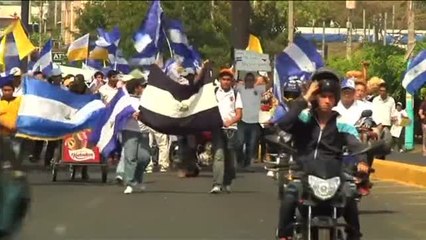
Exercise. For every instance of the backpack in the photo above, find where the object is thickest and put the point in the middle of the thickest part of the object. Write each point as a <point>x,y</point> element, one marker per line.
<point>235,92</point>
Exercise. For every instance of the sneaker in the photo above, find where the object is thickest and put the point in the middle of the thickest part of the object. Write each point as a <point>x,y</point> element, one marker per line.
<point>119,180</point>
<point>270,174</point>
<point>228,189</point>
<point>216,189</point>
<point>163,170</point>
<point>148,170</point>
<point>128,190</point>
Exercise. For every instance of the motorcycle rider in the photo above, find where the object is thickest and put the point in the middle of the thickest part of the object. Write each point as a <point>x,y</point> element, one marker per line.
<point>319,135</point>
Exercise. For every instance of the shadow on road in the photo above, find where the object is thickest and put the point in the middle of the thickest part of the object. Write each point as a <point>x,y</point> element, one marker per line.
<point>373,212</point>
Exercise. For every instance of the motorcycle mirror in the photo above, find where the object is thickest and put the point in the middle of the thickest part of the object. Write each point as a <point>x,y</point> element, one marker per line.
<point>276,139</point>
<point>367,113</point>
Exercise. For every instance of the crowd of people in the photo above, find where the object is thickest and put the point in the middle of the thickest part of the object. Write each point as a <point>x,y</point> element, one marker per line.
<point>247,107</point>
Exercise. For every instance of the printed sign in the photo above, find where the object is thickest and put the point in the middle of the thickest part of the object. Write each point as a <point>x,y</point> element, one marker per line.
<point>59,57</point>
<point>251,61</point>
<point>75,149</point>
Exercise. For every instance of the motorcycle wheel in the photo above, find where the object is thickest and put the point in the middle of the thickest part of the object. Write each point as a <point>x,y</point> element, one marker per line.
<point>173,154</point>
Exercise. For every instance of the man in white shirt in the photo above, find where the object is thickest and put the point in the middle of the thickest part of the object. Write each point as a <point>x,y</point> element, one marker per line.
<point>226,140</point>
<point>383,107</point>
<point>109,90</point>
<point>349,109</point>
<point>361,94</point>
<point>249,127</point>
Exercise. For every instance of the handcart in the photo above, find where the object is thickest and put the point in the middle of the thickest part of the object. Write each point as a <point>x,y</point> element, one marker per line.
<point>74,151</point>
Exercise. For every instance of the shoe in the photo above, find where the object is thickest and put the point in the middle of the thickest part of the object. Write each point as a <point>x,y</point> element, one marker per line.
<point>163,170</point>
<point>128,190</point>
<point>228,189</point>
<point>148,170</point>
<point>119,180</point>
<point>216,189</point>
<point>270,174</point>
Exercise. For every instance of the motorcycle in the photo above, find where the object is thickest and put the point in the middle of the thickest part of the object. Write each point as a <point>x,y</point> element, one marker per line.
<point>203,150</point>
<point>324,188</point>
<point>369,134</point>
<point>280,162</point>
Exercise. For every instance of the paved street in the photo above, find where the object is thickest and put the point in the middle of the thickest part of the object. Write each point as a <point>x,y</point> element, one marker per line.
<point>173,208</point>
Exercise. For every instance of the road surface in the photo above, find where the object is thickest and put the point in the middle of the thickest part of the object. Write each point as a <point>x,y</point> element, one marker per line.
<point>173,208</point>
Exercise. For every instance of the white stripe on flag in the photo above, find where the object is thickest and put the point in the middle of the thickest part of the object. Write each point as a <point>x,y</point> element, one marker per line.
<point>43,62</point>
<point>203,100</point>
<point>300,58</point>
<point>11,49</point>
<point>56,111</point>
<point>176,36</point>
<point>141,44</point>
<point>413,73</point>
<point>107,131</point>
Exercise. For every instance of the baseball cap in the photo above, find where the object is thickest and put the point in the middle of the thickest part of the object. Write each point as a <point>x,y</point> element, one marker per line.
<point>16,71</point>
<point>348,84</point>
<point>399,103</point>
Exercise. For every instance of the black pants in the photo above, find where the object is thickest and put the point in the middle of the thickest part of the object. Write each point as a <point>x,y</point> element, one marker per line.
<point>289,205</point>
<point>50,150</point>
<point>187,153</point>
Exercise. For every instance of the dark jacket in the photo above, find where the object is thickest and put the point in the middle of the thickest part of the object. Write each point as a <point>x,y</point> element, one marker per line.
<point>311,142</point>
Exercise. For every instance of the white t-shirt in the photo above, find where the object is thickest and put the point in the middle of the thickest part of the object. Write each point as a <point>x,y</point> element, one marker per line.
<point>107,93</point>
<point>228,104</point>
<point>352,114</point>
<point>251,97</point>
<point>383,109</point>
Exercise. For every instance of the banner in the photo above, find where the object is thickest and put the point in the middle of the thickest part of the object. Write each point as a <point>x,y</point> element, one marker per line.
<point>75,149</point>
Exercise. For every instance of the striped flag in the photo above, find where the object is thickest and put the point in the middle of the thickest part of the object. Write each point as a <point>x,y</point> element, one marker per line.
<point>184,52</point>
<point>149,37</point>
<point>185,108</point>
<point>299,59</point>
<point>79,49</point>
<point>45,63</point>
<point>11,54</point>
<point>415,76</point>
<point>113,119</point>
<point>63,112</point>
<point>22,45</point>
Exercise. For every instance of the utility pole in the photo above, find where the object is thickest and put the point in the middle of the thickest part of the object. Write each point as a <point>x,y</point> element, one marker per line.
<point>393,20</point>
<point>40,25</point>
<point>409,130</point>
<point>349,36</point>
<point>363,26</point>
<point>55,15</point>
<point>290,21</point>
<point>385,20</point>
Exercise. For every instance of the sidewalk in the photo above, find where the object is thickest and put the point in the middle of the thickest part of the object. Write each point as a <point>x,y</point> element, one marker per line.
<point>408,168</point>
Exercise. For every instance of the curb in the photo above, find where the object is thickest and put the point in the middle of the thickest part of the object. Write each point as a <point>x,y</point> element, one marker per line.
<point>400,172</point>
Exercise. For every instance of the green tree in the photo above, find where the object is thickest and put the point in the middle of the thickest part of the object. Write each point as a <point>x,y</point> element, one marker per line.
<point>386,62</point>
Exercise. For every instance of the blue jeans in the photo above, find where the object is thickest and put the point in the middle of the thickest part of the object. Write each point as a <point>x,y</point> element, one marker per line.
<point>249,134</point>
<point>225,143</point>
<point>136,155</point>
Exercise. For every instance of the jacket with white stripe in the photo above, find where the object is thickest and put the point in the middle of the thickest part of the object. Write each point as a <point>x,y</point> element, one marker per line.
<point>311,142</point>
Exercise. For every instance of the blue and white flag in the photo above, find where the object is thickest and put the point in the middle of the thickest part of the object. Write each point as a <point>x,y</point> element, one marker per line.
<point>45,62</point>
<point>183,51</point>
<point>109,40</point>
<point>6,78</point>
<point>11,58</point>
<point>112,121</point>
<point>149,37</point>
<point>119,62</point>
<point>299,59</point>
<point>50,112</point>
<point>415,77</point>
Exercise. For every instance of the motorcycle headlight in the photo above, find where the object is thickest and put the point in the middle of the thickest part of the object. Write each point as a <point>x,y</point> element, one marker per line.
<point>324,189</point>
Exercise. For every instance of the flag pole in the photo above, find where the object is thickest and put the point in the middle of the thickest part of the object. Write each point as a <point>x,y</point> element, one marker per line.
<point>168,43</point>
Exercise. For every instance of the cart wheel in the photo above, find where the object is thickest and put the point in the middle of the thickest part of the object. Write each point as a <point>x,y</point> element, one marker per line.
<point>104,170</point>
<point>73,172</point>
<point>54,172</point>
